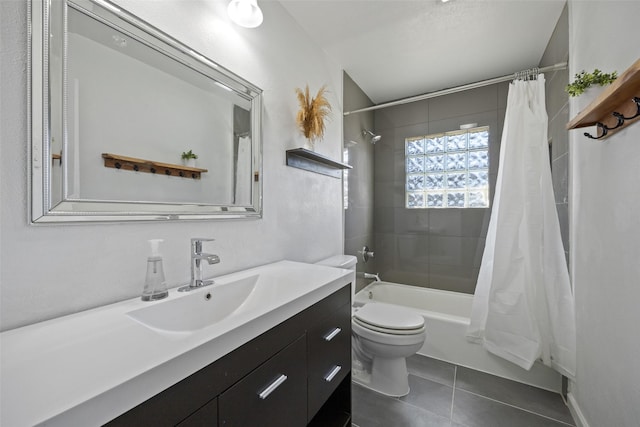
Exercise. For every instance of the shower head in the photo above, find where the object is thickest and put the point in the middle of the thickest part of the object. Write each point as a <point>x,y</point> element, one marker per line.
<point>374,138</point>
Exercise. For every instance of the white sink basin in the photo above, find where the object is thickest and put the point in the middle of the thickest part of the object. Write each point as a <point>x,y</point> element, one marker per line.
<point>197,309</point>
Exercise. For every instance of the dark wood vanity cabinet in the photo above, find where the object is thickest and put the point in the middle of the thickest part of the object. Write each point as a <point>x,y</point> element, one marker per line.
<point>329,357</point>
<point>296,374</point>
<point>203,416</point>
<point>272,395</point>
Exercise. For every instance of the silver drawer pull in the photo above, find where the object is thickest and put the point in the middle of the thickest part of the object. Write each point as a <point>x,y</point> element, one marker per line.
<point>332,373</point>
<point>332,334</point>
<point>271,387</point>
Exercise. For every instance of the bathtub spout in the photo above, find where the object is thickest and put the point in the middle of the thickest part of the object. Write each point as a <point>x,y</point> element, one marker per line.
<point>372,276</point>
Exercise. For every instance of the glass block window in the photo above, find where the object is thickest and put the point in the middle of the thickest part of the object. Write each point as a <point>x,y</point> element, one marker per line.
<point>448,170</point>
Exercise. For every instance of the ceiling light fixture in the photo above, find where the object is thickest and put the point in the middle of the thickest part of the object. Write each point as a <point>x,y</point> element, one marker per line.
<point>245,13</point>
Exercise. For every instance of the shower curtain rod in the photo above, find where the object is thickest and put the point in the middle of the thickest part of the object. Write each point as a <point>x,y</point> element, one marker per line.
<point>556,67</point>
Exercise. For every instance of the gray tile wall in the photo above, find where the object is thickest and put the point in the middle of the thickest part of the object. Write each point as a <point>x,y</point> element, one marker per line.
<point>438,248</point>
<point>558,111</point>
<point>359,214</point>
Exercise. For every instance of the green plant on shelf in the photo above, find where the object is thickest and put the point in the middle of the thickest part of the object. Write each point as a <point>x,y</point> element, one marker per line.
<point>584,80</point>
<point>186,155</point>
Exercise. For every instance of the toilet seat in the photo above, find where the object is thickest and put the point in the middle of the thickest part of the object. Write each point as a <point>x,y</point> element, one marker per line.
<point>388,319</point>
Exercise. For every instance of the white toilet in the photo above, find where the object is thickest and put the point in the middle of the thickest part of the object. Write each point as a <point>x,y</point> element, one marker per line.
<point>383,337</point>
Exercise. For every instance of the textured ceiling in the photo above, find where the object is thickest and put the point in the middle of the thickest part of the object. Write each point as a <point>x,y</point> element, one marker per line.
<point>398,48</point>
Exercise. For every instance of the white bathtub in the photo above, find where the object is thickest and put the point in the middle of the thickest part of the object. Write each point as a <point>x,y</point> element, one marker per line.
<point>446,317</point>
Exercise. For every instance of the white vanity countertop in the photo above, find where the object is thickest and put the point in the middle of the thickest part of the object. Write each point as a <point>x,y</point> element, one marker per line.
<point>89,367</point>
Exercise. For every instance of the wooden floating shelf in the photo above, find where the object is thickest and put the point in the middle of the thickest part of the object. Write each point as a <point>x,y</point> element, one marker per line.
<point>149,166</point>
<point>302,158</point>
<point>617,106</point>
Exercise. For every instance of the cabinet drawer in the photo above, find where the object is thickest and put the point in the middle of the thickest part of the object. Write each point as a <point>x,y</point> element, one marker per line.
<point>207,416</point>
<point>329,357</point>
<point>275,394</point>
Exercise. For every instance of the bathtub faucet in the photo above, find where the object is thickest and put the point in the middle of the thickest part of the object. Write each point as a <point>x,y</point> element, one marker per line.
<point>372,276</point>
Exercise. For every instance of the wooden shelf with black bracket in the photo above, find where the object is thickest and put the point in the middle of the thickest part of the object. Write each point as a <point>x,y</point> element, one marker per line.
<point>149,166</point>
<point>617,107</point>
<point>302,158</point>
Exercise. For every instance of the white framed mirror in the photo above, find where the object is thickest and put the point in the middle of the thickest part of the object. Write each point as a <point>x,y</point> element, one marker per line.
<point>117,109</point>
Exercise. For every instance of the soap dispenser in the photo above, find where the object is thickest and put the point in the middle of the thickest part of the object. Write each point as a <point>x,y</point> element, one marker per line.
<point>155,287</point>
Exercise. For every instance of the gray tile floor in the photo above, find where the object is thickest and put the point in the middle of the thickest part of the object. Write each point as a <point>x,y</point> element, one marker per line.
<point>446,395</point>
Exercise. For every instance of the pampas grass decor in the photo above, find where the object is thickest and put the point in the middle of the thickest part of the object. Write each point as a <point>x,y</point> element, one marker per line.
<point>312,113</point>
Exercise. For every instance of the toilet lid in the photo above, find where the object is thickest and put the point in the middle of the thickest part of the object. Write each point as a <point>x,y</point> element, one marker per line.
<point>391,317</point>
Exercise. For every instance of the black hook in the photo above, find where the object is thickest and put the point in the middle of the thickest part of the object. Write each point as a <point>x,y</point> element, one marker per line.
<point>620,121</point>
<point>623,118</point>
<point>635,99</point>
<point>620,118</point>
<point>600,126</point>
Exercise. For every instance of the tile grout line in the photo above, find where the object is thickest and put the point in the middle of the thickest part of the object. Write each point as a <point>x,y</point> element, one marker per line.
<point>453,395</point>
<point>428,378</point>
<point>420,407</point>
<point>522,409</point>
<point>399,399</point>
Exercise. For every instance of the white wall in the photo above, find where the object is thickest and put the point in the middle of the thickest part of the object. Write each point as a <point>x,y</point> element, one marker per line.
<point>605,216</point>
<point>48,271</point>
<point>98,73</point>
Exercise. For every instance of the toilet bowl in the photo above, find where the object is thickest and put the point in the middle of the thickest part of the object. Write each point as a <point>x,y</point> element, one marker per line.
<point>383,336</point>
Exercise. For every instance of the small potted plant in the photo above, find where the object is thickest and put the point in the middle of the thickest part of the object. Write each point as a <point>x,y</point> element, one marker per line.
<point>189,158</point>
<point>585,80</point>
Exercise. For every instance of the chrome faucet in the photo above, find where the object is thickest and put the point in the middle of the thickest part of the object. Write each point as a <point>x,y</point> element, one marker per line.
<point>373,276</point>
<point>197,256</point>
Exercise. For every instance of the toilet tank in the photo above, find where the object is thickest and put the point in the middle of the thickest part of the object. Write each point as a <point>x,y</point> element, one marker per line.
<point>347,262</point>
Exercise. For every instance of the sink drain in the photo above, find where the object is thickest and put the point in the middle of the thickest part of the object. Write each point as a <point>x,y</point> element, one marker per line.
<point>207,296</point>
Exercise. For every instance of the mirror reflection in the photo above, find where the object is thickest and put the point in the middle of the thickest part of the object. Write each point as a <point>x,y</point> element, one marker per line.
<point>146,125</point>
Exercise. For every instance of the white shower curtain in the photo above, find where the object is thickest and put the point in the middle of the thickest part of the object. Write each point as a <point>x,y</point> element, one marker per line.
<point>523,305</point>
<point>243,170</point>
